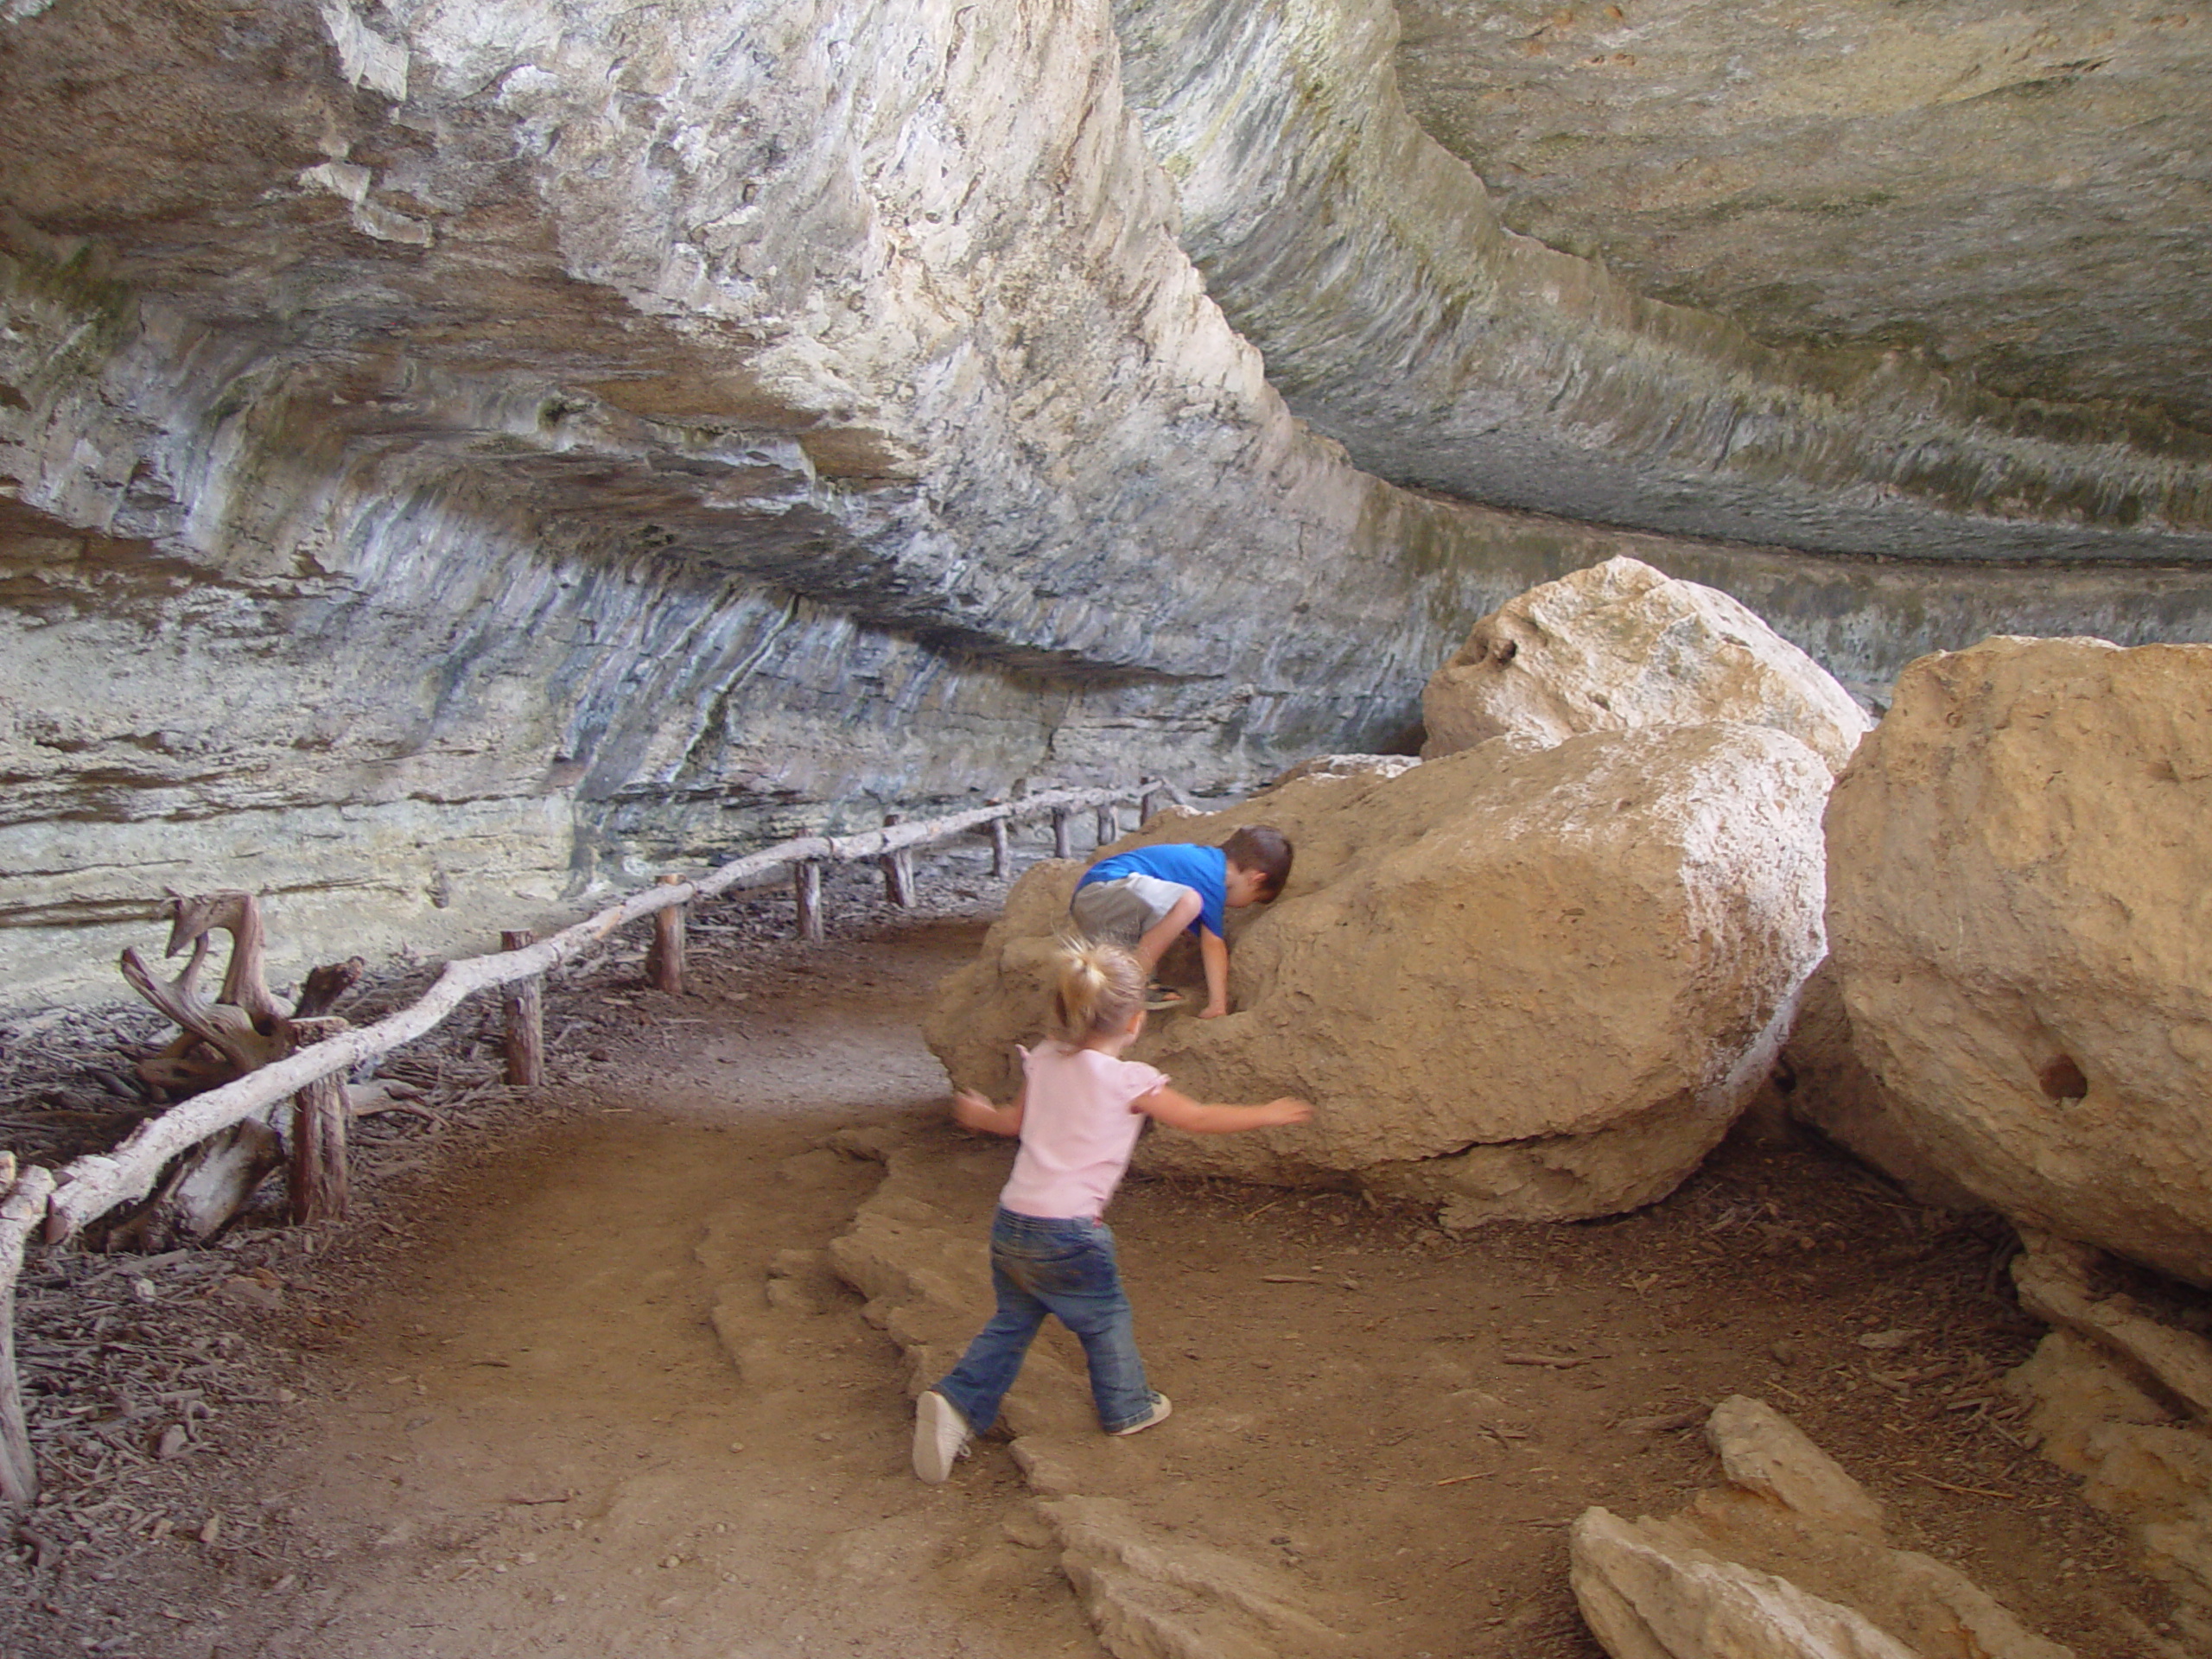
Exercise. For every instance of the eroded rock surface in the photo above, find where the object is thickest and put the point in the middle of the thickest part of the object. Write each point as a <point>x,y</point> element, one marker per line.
<point>1790,1560</point>
<point>2019,867</point>
<point>1820,1082</point>
<point>2124,1399</point>
<point>1620,646</point>
<point>1516,981</point>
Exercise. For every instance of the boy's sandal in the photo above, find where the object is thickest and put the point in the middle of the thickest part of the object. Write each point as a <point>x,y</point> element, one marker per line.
<point>1158,996</point>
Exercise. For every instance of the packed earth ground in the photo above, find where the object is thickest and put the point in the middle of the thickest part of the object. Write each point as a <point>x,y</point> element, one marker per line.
<point>577,1377</point>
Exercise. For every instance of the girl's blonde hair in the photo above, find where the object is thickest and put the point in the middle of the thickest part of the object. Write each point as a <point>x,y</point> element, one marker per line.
<point>1097,989</point>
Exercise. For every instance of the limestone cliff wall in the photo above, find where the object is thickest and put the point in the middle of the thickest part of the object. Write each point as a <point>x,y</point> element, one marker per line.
<point>452,452</point>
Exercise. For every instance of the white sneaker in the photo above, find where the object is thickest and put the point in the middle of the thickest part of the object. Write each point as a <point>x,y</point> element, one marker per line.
<point>1161,1407</point>
<point>940,1437</point>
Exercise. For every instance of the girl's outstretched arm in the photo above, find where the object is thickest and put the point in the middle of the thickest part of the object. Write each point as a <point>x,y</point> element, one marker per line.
<point>1180,1112</point>
<point>972,1111</point>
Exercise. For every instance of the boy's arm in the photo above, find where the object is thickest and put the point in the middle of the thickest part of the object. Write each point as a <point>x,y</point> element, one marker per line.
<point>1214,953</point>
<point>1180,1112</point>
<point>972,1111</point>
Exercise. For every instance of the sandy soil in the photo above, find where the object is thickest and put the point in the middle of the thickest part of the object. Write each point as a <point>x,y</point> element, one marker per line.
<point>577,1380</point>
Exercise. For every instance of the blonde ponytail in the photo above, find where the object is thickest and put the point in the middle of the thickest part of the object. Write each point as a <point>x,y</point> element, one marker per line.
<point>1099,988</point>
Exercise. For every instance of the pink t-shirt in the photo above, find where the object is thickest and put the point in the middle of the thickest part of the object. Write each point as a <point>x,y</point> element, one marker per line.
<point>1078,1128</point>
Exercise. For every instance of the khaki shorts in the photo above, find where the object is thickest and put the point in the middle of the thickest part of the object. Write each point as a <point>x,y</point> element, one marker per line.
<point>1122,911</point>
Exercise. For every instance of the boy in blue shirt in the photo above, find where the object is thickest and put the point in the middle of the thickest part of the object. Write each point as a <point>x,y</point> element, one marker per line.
<point>1143,899</point>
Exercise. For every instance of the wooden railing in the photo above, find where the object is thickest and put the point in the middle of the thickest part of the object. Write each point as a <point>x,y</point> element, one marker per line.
<point>61,1202</point>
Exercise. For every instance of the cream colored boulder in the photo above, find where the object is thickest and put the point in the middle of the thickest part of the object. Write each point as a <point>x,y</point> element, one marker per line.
<point>1620,646</point>
<point>2020,907</point>
<point>1517,982</point>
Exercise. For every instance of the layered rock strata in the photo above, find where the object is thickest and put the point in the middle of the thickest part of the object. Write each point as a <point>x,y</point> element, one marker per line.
<point>2019,866</point>
<point>1401,316</point>
<point>451,455</point>
<point>1620,646</point>
<point>1517,982</point>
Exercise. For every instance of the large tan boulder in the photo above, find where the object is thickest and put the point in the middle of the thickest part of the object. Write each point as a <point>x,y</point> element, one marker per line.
<point>1517,981</point>
<point>2020,902</point>
<point>1620,646</point>
<point>1820,1082</point>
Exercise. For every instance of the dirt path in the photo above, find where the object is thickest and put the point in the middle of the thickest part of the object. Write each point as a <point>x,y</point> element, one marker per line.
<point>579,1425</point>
<point>617,1401</point>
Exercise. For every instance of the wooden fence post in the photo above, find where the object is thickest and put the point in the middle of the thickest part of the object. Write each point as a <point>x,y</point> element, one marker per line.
<point>806,892</point>
<point>899,871</point>
<point>318,1181</point>
<point>1109,823</point>
<point>1000,853</point>
<point>23,1206</point>
<point>1148,806</point>
<point>664,960</point>
<point>1062,840</point>
<point>524,1002</point>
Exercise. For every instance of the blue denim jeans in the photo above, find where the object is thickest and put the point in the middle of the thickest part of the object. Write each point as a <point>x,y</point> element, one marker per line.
<point>1065,1268</point>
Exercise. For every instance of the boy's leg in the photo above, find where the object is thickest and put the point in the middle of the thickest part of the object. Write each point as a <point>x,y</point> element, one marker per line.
<point>1152,943</point>
<point>1084,1290</point>
<point>1140,914</point>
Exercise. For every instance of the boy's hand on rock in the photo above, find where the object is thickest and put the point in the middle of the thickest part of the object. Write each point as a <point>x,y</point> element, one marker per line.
<point>1288,1109</point>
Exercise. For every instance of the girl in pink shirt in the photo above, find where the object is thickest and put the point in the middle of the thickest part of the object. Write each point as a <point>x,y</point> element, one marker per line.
<point>1078,1113</point>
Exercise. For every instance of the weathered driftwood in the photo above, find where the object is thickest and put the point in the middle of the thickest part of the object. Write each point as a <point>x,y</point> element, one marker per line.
<point>91,1186</point>
<point>1107,824</point>
<point>328,985</point>
<point>238,913</point>
<point>205,1191</point>
<point>318,1187</point>
<point>1063,834</point>
<point>241,1028</point>
<point>216,1042</point>
<point>23,1203</point>
<point>1001,851</point>
<point>665,959</point>
<point>224,1039</point>
<point>523,1004</point>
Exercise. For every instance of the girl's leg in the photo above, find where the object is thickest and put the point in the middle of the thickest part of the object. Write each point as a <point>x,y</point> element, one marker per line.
<point>1085,1291</point>
<point>987,1371</point>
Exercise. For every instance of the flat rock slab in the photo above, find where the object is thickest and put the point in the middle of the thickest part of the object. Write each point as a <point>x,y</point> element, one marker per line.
<point>1788,1561</point>
<point>2117,1397</point>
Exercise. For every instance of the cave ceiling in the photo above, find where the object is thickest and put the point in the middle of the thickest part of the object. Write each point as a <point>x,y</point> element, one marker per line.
<point>2019,192</point>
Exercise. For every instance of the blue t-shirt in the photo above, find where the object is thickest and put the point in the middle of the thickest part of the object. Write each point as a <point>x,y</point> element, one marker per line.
<point>1205,870</point>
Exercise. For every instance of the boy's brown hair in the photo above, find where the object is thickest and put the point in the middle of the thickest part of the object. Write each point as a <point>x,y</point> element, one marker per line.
<point>1265,850</point>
